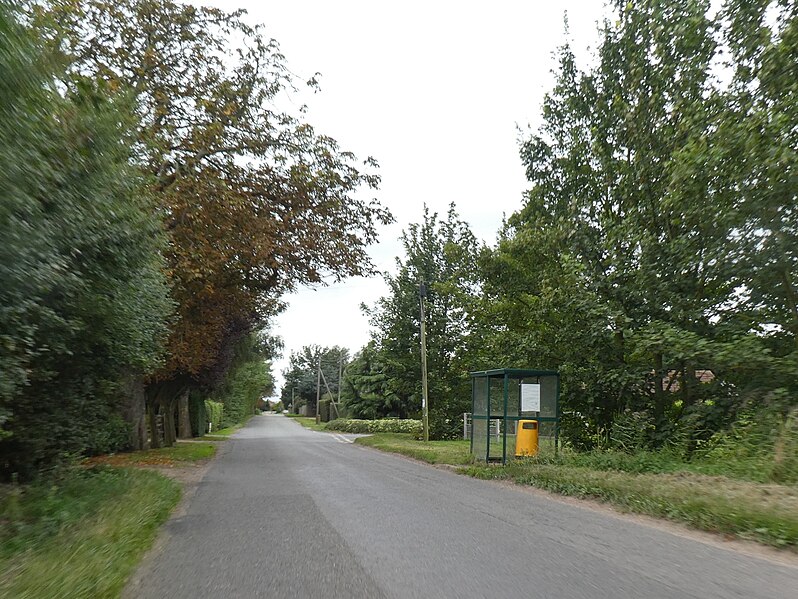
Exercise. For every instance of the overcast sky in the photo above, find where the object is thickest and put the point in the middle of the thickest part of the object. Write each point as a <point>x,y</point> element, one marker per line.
<point>436,91</point>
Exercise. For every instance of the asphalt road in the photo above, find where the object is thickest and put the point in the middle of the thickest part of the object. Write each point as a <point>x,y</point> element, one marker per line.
<point>287,512</point>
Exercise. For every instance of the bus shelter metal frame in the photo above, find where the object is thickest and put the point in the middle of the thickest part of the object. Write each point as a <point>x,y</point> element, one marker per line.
<point>506,375</point>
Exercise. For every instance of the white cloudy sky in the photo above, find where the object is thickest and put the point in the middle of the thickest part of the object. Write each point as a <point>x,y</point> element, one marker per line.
<point>436,91</point>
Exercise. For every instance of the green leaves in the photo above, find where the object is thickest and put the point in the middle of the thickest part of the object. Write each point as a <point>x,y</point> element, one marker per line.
<point>658,234</point>
<point>442,253</point>
<point>84,302</point>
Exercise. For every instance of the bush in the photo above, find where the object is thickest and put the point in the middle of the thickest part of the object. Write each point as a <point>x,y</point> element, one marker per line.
<point>442,427</point>
<point>387,425</point>
<point>762,446</point>
<point>324,410</point>
<point>197,415</point>
<point>109,436</point>
<point>214,411</point>
<point>83,297</point>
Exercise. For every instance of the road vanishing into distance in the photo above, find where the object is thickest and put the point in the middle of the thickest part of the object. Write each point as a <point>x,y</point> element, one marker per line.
<point>288,512</point>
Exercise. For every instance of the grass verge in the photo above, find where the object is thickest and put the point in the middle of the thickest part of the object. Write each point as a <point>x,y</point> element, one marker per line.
<point>308,422</point>
<point>435,452</point>
<point>165,456</point>
<point>81,536</point>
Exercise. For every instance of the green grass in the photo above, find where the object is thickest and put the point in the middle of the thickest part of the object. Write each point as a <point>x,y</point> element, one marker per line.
<point>223,433</point>
<point>308,422</point>
<point>81,536</point>
<point>742,466</point>
<point>435,452</point>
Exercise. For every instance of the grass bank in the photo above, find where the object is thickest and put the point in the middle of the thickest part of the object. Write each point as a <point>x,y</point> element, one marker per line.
<point>434,452</point>
<point>223,433</point>
<point>706,496</point>
<point>82,535</point>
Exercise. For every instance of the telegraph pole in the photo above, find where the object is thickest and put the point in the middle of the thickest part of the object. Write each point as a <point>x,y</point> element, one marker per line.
<point>422,294</point>
<point>318,389</point>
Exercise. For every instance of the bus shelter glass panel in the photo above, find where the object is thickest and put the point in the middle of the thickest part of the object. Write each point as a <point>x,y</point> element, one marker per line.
<point>547,437</point>
<point>496,422</point>
<point>504,397</point>
<point>548,396</point>
<point>479,422</point>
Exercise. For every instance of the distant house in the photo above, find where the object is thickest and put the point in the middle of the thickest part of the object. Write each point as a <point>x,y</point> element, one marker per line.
<point>670,381</point>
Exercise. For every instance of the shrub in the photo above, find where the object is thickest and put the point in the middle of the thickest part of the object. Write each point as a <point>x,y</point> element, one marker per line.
<point>214,410</point>
<point>387,425</point>
<point>112,435</point>
<point>324,410</point>
<point>442,427</point>
<point>197,414</point>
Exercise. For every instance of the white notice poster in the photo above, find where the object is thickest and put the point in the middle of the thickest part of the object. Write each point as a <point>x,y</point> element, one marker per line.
<point>530,398</point>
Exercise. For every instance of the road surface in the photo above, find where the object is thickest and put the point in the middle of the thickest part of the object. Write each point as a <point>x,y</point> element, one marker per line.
<point>288,512</point>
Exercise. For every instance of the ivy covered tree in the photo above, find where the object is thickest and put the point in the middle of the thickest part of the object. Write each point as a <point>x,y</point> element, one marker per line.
<point>367,390</point>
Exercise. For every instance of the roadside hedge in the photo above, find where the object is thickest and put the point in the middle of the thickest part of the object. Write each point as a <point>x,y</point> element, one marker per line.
<point>213,411</point>
<point>387,425</point>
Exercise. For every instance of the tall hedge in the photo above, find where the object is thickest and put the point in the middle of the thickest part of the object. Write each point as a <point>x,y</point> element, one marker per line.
<point>83,301</point>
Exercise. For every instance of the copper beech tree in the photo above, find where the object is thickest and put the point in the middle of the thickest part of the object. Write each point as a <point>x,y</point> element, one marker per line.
<point>254,200</point>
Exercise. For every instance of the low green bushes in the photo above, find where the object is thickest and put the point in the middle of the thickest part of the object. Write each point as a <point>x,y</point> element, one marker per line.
<point>386,425</point>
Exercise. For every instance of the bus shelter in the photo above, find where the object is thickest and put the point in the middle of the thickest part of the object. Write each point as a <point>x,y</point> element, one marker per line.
<point>502,398</point>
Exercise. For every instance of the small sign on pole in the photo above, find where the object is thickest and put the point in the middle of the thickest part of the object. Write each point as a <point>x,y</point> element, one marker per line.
<point>530,397</point>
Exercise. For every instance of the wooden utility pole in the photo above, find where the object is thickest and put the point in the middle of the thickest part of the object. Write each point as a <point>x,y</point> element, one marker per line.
<point>318,390</point>
<point>422,293</point>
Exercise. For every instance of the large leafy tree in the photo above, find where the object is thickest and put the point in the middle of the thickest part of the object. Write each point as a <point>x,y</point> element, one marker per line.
<point>442,254</point>
<point>83,301</point>
<point>367,390</point>
<point>757,160</point>
<point>254,200</point>
<point>622,249</point>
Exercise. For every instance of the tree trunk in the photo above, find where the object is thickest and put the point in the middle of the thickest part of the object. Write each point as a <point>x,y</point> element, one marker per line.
<point>689,383</point>
<point>155,439</point>
<point>169,428</point>
<point>183,419</point>
<point>134,408</point>
<point>162,397</point>
<point>659,391</point>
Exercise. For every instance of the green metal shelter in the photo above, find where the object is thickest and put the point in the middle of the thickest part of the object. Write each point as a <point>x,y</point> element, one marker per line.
<point>501,398</point>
